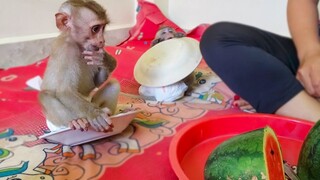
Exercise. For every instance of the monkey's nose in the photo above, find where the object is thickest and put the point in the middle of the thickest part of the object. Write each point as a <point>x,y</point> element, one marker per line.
<point>102,42</point>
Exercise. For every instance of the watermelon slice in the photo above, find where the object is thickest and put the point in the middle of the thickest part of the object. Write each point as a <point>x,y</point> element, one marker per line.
<point>309,157</point>
<point>252,155</point>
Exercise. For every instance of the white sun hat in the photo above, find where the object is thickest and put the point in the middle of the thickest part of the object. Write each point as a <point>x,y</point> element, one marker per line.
<point>168,62</point>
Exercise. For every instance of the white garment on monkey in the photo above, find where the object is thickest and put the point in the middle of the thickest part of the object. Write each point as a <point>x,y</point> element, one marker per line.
<point>53,127</point>
<point>165,93</point>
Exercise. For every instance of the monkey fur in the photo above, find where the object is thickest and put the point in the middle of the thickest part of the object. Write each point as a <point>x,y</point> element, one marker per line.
<point>77,66</point>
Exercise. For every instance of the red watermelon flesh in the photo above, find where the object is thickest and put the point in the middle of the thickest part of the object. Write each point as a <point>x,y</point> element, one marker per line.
<point>273,157</point>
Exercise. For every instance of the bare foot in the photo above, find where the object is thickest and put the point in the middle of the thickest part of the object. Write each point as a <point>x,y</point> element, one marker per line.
<point>242,104</point>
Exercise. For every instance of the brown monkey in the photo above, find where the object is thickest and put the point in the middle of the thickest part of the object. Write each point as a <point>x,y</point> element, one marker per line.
<point>165,33</point>
<point>78,65</point>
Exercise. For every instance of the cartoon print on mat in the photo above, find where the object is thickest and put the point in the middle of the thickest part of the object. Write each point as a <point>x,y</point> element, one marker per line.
<point>126,143</point>
<point>203,88</point>
<point>87,151</point>
<point>97,160</point>
<point>8,78</point>
<point>18,161</point>
<point>156,121</point>
<point>208,87</point>
<point>91,161</point>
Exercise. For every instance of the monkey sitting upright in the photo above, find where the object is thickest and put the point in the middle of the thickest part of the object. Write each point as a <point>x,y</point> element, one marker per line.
<point>78,65</point>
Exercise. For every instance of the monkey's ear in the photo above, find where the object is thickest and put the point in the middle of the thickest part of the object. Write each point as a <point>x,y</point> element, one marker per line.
<point>62,21</point>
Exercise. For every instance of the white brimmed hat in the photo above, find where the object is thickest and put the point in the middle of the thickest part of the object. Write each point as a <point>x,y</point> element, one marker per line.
<point>168,62</point>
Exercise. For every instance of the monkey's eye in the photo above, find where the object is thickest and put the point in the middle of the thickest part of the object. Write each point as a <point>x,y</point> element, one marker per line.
<point>202,81</point>
<point>96,28</point>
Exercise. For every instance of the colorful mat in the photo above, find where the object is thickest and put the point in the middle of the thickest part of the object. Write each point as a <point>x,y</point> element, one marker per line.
<point>140,152</point>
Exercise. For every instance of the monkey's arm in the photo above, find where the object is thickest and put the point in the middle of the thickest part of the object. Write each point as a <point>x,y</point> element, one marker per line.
<point>105,62</point>
<point>109,64</point>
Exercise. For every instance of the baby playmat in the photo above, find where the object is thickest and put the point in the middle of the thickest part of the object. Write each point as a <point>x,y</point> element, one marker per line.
<point>141,151</point>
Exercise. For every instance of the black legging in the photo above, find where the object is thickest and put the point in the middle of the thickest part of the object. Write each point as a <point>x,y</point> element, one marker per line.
<point>257,65</point>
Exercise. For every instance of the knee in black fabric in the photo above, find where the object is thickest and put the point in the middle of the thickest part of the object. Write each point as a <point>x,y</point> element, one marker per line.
<point>235,53</point>
<point>212,38</point>
<point>222,34</point>
<point>216,32</point>
<point>227,31</point>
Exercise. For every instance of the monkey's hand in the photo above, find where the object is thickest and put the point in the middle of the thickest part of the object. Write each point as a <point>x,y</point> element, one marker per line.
<point>94,57</point>
<point>80,124</point>
<point>102,123</point>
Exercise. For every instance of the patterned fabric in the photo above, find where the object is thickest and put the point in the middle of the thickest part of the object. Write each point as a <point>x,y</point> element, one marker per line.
<point>141,151</point>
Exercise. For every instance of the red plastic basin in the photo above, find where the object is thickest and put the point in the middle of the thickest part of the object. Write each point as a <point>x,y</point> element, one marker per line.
<point>191,146</point>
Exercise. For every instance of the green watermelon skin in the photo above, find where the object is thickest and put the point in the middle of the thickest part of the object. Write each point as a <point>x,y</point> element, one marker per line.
<point>240,157</point>
<point>308,167</point>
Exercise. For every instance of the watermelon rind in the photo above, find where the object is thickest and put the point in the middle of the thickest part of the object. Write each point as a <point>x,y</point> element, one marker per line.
<point>308,167</point>
<point>240,157</point>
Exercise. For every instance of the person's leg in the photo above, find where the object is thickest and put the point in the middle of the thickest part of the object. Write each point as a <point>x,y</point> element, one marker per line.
<point>260,67</point>
<point>301,106</point>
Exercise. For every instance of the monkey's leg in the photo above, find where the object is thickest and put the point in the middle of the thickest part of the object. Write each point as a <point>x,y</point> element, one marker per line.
<point>55,111</point>
<point>84,111</point>
<point>107,95</point>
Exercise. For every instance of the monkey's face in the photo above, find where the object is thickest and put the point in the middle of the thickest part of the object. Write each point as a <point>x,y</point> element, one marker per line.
<point>165,34</point>
<point>95,39</point>
<point>88,30</point>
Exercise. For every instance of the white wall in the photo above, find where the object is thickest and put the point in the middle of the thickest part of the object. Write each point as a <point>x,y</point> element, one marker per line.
<point>32,19</point>
<point>28,26</point>
<point>29,23</point>
<point>266,14</point>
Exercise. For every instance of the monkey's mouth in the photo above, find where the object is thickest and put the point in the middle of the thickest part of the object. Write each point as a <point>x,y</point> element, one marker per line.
<point>93,48</point>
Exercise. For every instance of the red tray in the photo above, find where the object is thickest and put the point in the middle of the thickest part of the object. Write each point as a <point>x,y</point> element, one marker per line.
<point>191,146</point>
